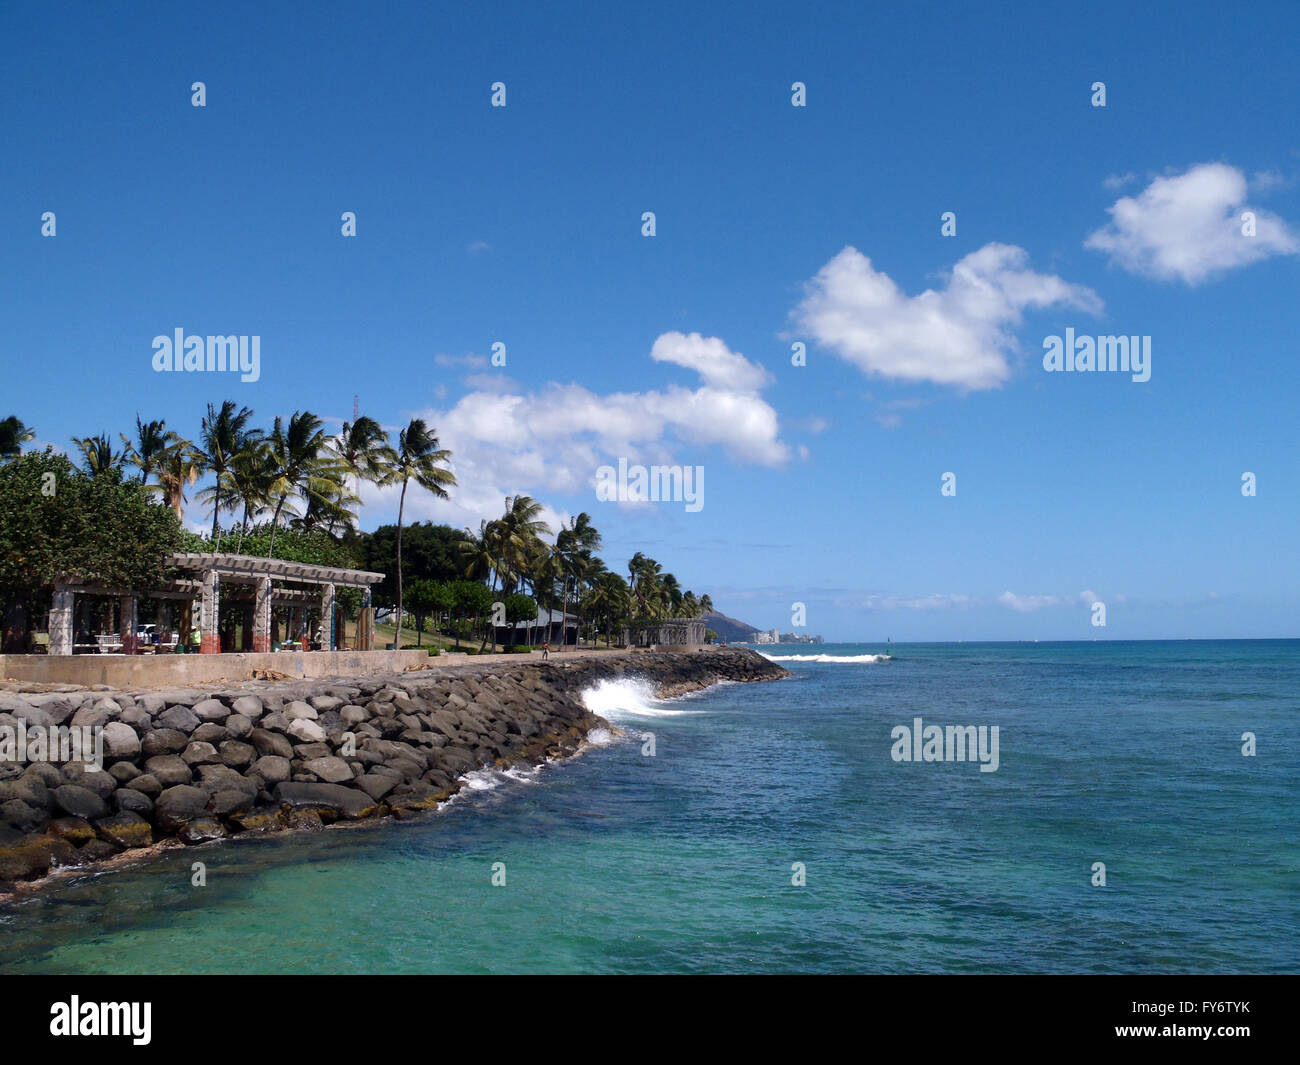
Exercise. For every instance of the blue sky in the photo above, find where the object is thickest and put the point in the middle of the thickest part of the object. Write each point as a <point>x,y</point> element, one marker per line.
<point>774,224</point>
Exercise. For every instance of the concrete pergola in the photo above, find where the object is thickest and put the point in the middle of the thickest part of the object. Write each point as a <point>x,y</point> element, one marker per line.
<point>202,576</point>
<point>672,632</point>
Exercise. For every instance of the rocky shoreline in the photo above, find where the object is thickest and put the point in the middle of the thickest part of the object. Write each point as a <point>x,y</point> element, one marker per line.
<point>201,764</point>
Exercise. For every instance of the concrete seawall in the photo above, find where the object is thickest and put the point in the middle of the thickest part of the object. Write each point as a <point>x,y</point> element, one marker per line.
<point>195,765</point>
<point>128,671</point>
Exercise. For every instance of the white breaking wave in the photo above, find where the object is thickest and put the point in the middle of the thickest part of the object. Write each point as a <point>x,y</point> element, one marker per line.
<point>827,658</point>
<point>618,700</point>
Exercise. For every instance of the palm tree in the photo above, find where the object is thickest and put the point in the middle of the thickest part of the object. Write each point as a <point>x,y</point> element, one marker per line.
<point>296,460</point>
<point>417,457</point>
<point>224,434</point>
<point>249,480</point>
<point>97,454</point>
<point>609,599</point>
<point>146,451</point>
<point>362,449</point>
<point>13,435</point>
<point>672,593</point>
<point>574,546</point>
<point>180,464</point>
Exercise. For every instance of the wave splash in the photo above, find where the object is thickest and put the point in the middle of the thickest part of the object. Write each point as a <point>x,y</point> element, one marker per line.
<point>828,658</point>
<point>619,700</point>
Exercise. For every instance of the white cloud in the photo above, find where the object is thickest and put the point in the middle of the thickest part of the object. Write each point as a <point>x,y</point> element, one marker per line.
<point>551,441</point>
<point>1118,181</point>
<point>1188,227</point>
<point>716,364</point>
<point>959,335</point>
<point>1027,604</point>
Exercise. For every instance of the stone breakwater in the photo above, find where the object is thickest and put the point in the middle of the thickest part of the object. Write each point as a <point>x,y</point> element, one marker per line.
<point>196,765</point>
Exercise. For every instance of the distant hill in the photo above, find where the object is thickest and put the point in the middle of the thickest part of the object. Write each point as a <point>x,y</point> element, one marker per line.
<point>729,629</point>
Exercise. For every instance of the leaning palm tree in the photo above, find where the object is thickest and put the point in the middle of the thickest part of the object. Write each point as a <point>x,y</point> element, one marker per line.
<point>148,447</point>
<point>417,457</point>
<point>225,433</point>
<point>13,435</point>
<point>97,454</point>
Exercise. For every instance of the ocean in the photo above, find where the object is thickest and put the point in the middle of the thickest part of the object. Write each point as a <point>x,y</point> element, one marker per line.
<point>768,828</point>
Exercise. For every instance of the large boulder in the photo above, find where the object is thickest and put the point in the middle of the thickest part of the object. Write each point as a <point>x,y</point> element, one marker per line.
<point>163,741</point>
<point>330,769</point>
<point>332,800</point>
<point>306,730</point>
<point>125,829</point>
<point>120,740</point>
<point>77,801</point>
<point>179,717</point>
<point>249,706</point>
<point>179,805</point>
<point>211,710</point>
<point>271,743</point>
<point>169,770</point>
<point>272,768</point>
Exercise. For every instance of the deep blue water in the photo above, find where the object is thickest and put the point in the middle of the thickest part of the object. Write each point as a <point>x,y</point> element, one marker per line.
<point>1124,753</point>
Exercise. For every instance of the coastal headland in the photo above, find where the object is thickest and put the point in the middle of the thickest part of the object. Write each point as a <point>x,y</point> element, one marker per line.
<point>203,763</point>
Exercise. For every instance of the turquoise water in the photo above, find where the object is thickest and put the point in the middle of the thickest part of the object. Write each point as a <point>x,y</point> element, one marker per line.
<point>1124,753</point>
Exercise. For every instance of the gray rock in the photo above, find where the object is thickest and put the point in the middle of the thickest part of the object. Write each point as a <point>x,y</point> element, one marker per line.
<point>19,815</point>
<point>225,803</point>
<point>331,770</point>
<point>147,784</point>
<point>91,717</point>
<point>77,801</point>
<point>306,730</point>
<point>199,753</point>
<point>249,706</point>
<point>211,710</point>
<point>271,743</point>
<point>236,754</point>
<point>348,803</point>
<point>272,769</point>
<point>133,801</point>
<point>178,805</point>
<point>377,785</point>
<point>120,740</point>
<point>179,717</point>
<point>239,726</point>
<point>123,771</point>
<point>169,770</point>
<point>210,732</point>
<point>298,710</point>
<point>163,741</point>
<point>325,702</point>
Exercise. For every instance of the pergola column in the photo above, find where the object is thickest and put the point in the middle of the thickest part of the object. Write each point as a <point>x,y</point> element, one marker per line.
<point>327,616</point>
<point>61,620</point>
<point>127,617</point>
<point>211,643</point>
<point>262,617</point>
